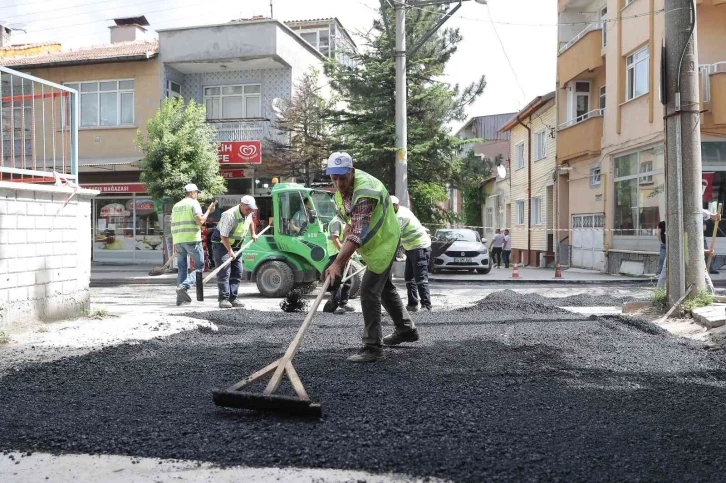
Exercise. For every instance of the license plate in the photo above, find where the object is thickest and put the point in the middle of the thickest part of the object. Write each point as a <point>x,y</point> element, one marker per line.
<point>462,260</point>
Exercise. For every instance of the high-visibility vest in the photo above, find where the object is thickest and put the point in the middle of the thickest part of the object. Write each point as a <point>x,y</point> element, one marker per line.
<point>332,249</point>
<point>242,226</point>
<point>184,227</point>
<point>413,234</point>
<point>380,241</point>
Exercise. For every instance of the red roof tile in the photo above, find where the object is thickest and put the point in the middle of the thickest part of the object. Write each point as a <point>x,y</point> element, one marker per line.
<point>88,55</point>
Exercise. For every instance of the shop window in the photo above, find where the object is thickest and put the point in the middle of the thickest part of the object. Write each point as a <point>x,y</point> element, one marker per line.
<point>639,193</point>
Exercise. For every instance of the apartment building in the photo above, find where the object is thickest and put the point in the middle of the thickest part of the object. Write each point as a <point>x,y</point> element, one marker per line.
<point>494,145</point>
<point>531,200</point>
<point>327,36</point>
<point>610,147</point>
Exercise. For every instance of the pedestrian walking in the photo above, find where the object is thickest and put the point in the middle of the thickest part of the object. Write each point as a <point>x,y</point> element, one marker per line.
<point>186,234</point>
<point>507,248</point>
<point>495,247</point>
<point>228,235</point>
<point>417,245</point>
<point>708,252</point>
<point>364,204</point>
<point>339,294</point>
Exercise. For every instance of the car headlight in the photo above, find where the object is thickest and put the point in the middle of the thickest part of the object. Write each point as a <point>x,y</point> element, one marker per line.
<point>483,250</point>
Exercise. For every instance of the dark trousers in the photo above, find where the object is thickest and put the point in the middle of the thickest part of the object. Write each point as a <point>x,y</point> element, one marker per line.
<point>338,294</point>
<point>506,254</point>
<point>377,289</point>
<point>228,279</point>
<point>417,276</point>
<point>497,255</point>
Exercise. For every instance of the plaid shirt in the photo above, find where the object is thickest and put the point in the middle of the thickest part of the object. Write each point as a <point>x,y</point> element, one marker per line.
<point>360,216</point>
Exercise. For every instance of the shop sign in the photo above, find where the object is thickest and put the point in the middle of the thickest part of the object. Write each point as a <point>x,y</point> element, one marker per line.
<point>239,152</point>
<point>114,209</point>
<point>707,186</point>
<point>117,188</point>
<point>232,173</point>
<point>143,207</point>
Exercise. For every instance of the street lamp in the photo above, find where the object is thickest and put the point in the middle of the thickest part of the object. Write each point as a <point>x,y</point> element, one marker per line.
<point>400,54</point>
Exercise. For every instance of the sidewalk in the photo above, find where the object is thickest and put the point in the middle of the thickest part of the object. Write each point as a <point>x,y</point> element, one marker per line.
<point>109,275</point>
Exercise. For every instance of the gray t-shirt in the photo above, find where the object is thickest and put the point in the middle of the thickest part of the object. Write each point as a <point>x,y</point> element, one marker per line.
<point>507,243</point>
<point>497,240</point>
<point>196,208</point>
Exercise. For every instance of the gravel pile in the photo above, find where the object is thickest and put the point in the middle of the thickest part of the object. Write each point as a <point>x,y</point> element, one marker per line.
<point>509,390</point>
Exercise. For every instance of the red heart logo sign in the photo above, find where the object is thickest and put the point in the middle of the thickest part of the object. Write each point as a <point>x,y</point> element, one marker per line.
<point>248,152</point>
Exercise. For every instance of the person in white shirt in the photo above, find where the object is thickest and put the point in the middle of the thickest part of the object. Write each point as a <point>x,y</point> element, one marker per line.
<point>507,248</point>
<point>495,246</point>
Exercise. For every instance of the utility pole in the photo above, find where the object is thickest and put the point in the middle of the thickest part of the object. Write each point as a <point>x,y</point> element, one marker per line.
<point>400,54</point>
<point>272,15</point>
<point>684,225</point>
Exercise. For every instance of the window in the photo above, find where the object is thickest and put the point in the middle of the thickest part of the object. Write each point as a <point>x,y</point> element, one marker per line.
<point>294,215</point>
<point>318,38</point>
<point>604,25</point>
<point>639,192</point>
<point>490,217</point>
<point>540,145</point>
<point>637,73</point>
<point>520,212</point>
<point>173,90</point>
<point>595,177</point>
<point>628,2</point>
<point>519,156</point>
<point>536,213</point>
<point>106,103</point>
<point>578,99</point>
<point>233,102</point>
<point>601,104</point>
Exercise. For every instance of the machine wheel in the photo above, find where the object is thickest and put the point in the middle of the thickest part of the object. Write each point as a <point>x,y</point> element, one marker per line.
<point>307,288</point>
<point>483,270</point>
<point>357,281</point>
<point>275,279</point>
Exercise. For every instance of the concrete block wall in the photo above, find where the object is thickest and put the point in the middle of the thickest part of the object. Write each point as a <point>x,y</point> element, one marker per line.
<point>45,252</point>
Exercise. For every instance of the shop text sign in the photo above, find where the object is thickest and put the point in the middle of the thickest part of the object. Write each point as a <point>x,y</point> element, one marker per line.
<point>239,152</point>
<point>116,188</point>
<point>232,173</point>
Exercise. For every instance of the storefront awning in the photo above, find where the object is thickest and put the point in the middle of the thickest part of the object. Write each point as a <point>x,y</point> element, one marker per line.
<point>108,161</point>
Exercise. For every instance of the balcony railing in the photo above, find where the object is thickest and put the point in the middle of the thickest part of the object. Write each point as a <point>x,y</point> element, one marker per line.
<point>591,27</point>
<point>239,129</point>
<point>582,118</point>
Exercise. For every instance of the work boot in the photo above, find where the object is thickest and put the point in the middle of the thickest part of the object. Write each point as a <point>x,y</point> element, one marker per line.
<point>339,311</point>
<point>348,308</point>
<point>237,303</point>
<point>368,353</point>
<point>225,304</point>
<point>412,308</point>
<point>400,337</point>
<point>427,308</point>
<point>181,292</point>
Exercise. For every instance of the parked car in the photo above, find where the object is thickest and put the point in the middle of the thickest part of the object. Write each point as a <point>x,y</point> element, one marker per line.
<point>468,252</point>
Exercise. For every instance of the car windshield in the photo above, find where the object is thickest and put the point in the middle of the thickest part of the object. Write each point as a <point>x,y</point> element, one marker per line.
<point>324,205</point>
<point>458,235</point>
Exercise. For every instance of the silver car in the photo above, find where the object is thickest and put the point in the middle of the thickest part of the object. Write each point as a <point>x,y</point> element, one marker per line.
<point>468,252</point>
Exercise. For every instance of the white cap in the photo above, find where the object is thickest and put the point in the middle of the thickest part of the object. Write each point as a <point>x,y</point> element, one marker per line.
<point>394,200</point>
<point>249,201</point>
<point>191,188</point>
<point>339,163</point>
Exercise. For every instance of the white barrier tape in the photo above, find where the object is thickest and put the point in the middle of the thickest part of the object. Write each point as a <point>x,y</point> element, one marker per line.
<point>63,182</point>
<point>630,230</point>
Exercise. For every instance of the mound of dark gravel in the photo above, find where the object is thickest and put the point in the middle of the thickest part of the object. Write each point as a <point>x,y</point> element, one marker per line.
<point>294,302</point>
<point>520,393</point>
<point>535,303</point>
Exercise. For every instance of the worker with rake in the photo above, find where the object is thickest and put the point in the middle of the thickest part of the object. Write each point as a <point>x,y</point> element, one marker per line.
<point>227,237</point>
<point>363,203</point>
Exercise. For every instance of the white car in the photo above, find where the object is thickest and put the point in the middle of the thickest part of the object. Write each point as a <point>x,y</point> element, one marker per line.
<point>468,252</point>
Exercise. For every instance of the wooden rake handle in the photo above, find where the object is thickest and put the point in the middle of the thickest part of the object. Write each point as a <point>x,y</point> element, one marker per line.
<point>712,246</point>
<point>230,260</point>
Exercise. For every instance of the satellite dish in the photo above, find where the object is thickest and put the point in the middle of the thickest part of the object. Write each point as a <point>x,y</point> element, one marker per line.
<point>502,171</point>
<point>278,107</point>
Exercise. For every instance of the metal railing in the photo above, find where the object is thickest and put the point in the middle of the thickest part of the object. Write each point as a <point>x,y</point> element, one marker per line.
<point>39,134</point>
<point>576,38</point>
<point>239,130</point>
<point>705,71</point>
<point>582,118</point>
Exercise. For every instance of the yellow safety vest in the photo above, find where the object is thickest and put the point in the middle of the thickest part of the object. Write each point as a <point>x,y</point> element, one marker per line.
<point>413,234</point>
<point>184,228</point>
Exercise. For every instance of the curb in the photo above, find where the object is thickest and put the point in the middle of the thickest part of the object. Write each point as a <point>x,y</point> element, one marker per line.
<point>524,281</point>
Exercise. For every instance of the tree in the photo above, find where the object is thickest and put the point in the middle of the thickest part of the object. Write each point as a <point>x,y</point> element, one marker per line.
<point>304,138</point>
<point>179,148</point>
<point>472,171</point>
<point>367,124</point>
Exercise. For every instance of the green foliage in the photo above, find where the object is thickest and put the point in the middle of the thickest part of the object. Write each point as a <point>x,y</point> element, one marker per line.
<point>367,123</point>
<point>701,300</point>
<point>472,171</point>
<point>660,299</point>
<point>304,134</point>
<point>4,337</point>
<point>428,197</point>
<point>180,148</point>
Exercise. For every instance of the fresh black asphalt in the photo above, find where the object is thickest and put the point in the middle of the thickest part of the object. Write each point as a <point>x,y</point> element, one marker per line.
<point>513,389</point>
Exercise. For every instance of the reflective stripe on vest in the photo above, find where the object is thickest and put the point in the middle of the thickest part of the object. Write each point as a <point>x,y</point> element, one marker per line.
<point>380,242</point>
<point>413,234</point>
<point>184,228</point>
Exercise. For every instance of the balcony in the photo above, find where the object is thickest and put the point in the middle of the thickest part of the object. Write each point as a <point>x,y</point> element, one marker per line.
<point>581,54</point>
<point>239,129</point>
<point>581,136</point>
<point>713,90</point>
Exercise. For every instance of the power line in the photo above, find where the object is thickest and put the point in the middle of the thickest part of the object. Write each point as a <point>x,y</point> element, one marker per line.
<point>78,6</point>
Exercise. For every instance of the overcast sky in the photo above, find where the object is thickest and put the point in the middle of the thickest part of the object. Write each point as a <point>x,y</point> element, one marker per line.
<point>530,45</point>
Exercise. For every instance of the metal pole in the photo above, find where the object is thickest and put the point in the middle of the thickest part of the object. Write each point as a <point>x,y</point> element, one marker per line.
<point>401,121</point>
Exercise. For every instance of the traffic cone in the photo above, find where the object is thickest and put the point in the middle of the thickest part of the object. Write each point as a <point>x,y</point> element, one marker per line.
<point>515,272</point>
<point>558,272</point>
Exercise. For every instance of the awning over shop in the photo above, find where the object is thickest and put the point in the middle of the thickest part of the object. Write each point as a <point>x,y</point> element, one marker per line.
<point>86,165</point>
